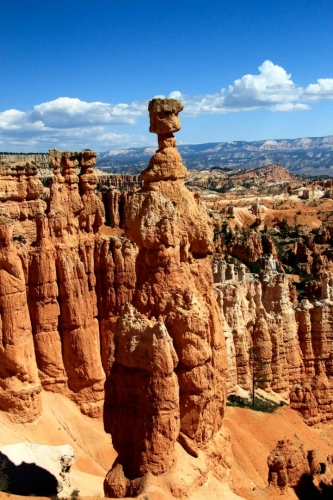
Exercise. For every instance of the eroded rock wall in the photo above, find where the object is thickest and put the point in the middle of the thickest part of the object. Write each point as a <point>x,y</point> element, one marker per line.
<point>19,382</point>
<point>60,283</point>
<point>260,314</point>
<point>295,339</point>
<point>138,310</point>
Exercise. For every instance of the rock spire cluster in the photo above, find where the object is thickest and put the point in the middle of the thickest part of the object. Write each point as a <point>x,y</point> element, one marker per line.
<point>80,305</point>
<point>54,264</point>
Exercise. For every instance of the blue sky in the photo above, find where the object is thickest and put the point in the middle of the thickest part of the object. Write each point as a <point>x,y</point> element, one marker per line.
<point>79,74</point>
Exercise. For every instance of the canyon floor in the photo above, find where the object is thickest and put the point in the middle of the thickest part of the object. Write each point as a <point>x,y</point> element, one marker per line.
<point>253,436</point>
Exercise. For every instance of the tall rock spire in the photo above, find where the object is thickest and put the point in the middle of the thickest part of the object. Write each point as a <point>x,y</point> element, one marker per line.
<point>171,229</point>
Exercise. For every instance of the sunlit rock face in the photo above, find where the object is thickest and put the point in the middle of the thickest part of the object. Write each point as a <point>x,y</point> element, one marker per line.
<point>260,313</point>
<point>293,338</point>
<point>60,282</point>
<point>19,382</point>
<point>80,305</point>
<point>287,463</point>
<point>171,230</point>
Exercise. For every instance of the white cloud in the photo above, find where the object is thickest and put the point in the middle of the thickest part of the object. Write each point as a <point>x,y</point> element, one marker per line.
<point>273,85</point>
<point>320,91</point>
<point>70,122</point>
<point>14,120</point>
<point>175,95</point>
<point>72,112</point>
<point>289,106</point>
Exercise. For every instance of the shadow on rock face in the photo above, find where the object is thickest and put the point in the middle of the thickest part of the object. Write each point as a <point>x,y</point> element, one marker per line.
<point>306,490</point>
<point>28,479</point>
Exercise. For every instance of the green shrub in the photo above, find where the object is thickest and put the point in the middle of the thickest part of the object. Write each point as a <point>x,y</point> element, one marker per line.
<point>260,403</point>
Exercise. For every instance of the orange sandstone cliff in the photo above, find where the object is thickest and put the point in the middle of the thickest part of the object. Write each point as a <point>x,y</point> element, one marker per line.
<point>293,338</point>
<point>54,266</point>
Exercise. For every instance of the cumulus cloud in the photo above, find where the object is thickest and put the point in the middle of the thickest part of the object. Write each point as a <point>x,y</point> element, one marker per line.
<point>272,88</point>
<point>67,122</point>
<point>273,85</point>
<point>320,91</point>
<point>72,112</point>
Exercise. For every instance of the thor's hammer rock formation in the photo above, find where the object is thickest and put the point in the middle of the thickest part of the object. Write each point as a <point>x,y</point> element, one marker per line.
<point>173,322</point>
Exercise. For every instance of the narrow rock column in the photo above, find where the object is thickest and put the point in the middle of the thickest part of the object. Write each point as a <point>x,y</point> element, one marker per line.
<point>44,309</point>
<point>19,382</point>
<point>75,217</point>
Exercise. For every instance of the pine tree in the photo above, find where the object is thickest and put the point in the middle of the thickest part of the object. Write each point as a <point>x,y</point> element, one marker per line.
<point>257,368</point>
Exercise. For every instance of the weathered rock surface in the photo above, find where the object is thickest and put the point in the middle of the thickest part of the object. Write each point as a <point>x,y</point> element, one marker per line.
<point>295,339</point>
<point>19,381</point>
<point>314,398</point>
<point>48,304</point>
<point>41,470</point>
<point>142,412</point>
<point>248,248</point>
<point>78,306</point>
<point>274,172</point>
<point>173,283</point>
<point>290,466</point>
<point>287,463</point>
<point>260,313</point>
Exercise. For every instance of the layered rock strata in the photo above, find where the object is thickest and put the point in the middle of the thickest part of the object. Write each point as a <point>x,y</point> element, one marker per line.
<point>314,398</point>
<point>19,382</point>
<point>174,284</point>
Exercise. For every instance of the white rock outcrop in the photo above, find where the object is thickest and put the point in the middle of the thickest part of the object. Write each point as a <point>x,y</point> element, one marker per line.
<point>57,460</point>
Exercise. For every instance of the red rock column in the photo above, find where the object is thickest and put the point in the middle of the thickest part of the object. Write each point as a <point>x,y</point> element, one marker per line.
<point>44,309</point>
<point>115,284</point>
<point>171,227</point>
<point>19,382</point>
<point>174,282</point>
<point>75,217</point>
<point>142,412</point>
<point>287,464</point>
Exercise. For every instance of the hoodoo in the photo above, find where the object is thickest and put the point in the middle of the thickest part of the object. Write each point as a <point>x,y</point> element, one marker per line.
<point>169,366</point>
